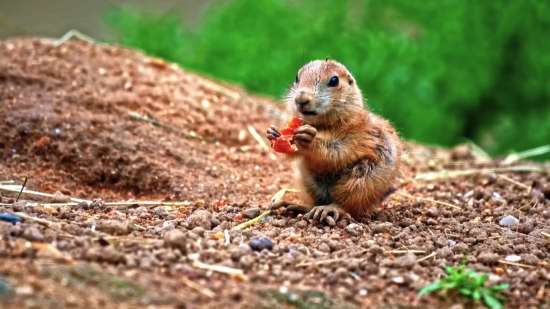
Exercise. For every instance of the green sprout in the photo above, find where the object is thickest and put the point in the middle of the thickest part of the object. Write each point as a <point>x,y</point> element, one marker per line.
<point>470,284</point>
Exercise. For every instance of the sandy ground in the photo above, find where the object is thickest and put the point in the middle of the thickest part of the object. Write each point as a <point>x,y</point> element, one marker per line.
<point>69,124</point>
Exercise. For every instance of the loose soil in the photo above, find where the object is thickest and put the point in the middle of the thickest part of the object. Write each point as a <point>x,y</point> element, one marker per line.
<point>66,124</point>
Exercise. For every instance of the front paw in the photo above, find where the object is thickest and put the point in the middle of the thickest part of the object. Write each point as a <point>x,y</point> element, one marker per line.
<point>304,135</point>
<point>272,133</point>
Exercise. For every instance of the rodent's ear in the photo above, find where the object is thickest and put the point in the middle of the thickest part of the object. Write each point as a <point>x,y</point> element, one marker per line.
<point>350,79</point>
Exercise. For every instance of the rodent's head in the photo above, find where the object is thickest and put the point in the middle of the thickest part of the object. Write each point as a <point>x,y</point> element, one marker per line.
<point>323,88</point>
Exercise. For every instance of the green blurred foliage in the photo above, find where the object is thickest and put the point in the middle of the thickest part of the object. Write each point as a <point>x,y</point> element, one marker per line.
<point>441,71</point>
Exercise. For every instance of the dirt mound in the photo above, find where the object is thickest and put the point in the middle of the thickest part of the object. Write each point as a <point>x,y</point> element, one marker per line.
<point>68,122</point>
<point>67,109</point>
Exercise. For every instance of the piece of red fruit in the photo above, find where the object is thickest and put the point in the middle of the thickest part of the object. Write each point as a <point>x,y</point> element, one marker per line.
<point>284,142</point>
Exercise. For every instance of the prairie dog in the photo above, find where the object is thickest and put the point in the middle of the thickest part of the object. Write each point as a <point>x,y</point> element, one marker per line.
<point>348,158</point>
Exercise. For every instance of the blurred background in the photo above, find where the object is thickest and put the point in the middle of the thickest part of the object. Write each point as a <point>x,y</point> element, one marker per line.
<point>444,72</point>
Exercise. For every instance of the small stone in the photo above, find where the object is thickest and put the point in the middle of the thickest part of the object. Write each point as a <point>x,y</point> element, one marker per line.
<point>406,261</point>
<point>509,220</point>
<point>97,202</point>
<point>200,218</point>
<point>11,218</point>
<point>323,247</point>
<point>251,213</point>
<point>175,239</point>
<point>382,228</point>
<point>432,212</point>
<point>258,244</point>
<point>513,258</point>
<point>199,231</point>
<point>82,205</point>
<point>24,290</point>
<point>302,224</point>
<point>115,227</point>
<point>431,221</point>
<point>530,259</point>
<point>107,254</point>
<point>353,229</point>
<point>488,257</point>
<point>19,206</point>
<point>59,197</point>
<point>5,287</point>
<point>33,234</point>
<point>376,250</point>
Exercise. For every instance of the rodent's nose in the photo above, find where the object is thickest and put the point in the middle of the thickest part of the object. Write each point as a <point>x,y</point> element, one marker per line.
<point>302,98</point>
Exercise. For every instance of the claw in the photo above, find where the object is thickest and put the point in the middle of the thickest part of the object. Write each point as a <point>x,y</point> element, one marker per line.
<point>321,213</point>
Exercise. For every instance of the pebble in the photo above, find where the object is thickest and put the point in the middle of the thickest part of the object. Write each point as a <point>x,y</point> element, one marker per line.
<point>5,288</point>
<point>24,290</point>
<point>107,254</point>
<point>258,244</point>
<point>509,220</point>
<point>251,213</point>
<point>59,197</point>
<point>33,234</point>
<point>330,221</point>
<point>11,218</point>
<point>323,247</point>
<point>382,228</point>
<point>354,229</point>
<point>406,261</point>
<point>488,257</point>
<point>432,212</point>
<point>19,206</point>
<point>115,227</point>
<point>175,239</point>
<point>513,258</point>
<point>199,231</point>
<point>530,259</point>
<point>376,250</point>
<point>200,218</point>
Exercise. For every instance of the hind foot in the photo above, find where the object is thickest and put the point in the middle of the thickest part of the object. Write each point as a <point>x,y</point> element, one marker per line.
<point>290,207</point>
<point>321,213</point>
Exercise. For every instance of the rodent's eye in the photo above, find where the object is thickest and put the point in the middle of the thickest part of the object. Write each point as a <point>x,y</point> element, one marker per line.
<point>297,79</point>
<point>333,82</point>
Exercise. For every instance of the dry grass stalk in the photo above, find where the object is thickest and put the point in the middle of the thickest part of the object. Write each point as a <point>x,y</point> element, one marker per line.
<point>515,264</point>
<point>17,188</point>
<point>218,268</point>
<point>426,257</point>
<point>207,292</point>
<point>323,262</point>
<point>404,251</point>
<point>528,204</point>
<point>404,194</point>
<point>451,174</point>
<point>517,183</point>
<point>545,235</point>
<point>177,130</point>
<point>261,142</point>
<point>276,197</point>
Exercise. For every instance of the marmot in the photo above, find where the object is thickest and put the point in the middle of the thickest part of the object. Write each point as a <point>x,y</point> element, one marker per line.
<point>348,159</point>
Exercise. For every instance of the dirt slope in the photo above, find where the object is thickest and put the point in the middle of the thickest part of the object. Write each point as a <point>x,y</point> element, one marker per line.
<point>66,122</point>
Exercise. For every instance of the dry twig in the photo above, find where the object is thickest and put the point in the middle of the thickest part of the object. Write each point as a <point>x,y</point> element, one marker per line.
<point>207,292</point>
<point>426,257</point>
<point>404,194</point>
<point>218,268</point>
<point>261,142</point>
<point>450,174</point>
<point>515,264</point>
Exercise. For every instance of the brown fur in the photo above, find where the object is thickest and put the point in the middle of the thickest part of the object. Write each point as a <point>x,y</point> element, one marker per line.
<point>354,158</point>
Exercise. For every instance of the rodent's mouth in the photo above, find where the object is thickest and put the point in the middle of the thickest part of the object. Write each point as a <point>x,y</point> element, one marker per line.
<point>308,113</point>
